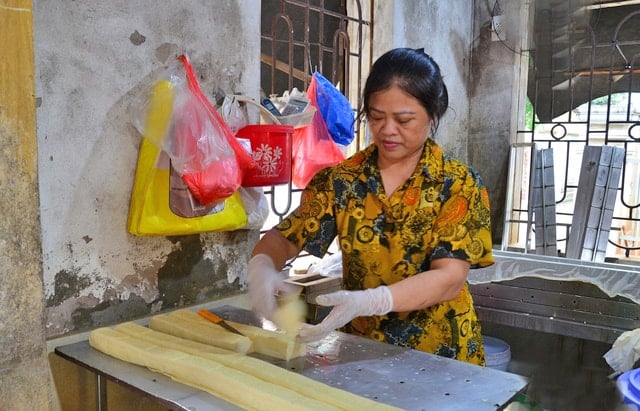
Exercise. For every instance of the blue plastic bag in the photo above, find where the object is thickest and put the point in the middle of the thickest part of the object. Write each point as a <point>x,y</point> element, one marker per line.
<point>336,110</point>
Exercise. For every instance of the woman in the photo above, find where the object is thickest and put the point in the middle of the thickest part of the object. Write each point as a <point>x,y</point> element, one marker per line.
<point>410,221</point>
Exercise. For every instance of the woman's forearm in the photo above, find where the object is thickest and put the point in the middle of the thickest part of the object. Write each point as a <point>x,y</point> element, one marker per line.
<point>442,282</point>
<point>276,246</point>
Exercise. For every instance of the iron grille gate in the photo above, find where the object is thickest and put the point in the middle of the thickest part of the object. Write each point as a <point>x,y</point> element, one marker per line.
<point>299,37</point>
<point>584,90</point>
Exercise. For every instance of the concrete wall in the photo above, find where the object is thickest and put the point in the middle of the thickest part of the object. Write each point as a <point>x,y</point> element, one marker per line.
<point>444,30</point>
<point>93,59</point>
<point>497,92</point>
<point>564,373</point>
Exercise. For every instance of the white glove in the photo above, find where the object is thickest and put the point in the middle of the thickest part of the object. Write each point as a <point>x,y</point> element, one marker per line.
<point>265,283</point>
<point>347,305</point>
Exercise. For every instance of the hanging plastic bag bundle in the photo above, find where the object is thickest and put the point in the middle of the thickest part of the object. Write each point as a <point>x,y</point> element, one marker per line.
<point>202,148</point>
<point>313,148</point>
<point>161,204</point>
<point>336,110</point>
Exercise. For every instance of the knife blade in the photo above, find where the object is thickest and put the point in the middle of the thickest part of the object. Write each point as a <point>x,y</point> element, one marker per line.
<point>214,318</point>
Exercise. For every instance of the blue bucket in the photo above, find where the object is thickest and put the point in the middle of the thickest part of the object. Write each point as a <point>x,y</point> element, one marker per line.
<point>629,386</point>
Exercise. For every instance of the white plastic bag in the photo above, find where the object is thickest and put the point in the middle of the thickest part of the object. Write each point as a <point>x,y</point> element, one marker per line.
<point>233,114</point>
<point>625,351</point>
<point>256,205</point>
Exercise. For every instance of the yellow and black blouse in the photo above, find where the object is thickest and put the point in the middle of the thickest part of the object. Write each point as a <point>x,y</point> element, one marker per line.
<point>441,211</point>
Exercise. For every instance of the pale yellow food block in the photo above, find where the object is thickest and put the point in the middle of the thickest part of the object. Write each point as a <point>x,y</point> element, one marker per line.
<point>258,368</point>
<point>234,386</point>
<point>270,343</point>
<point>290,314</point>
<point>202,331</point>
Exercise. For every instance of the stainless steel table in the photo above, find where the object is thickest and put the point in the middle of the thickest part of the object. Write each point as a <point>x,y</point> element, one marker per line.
<point>406,378</point>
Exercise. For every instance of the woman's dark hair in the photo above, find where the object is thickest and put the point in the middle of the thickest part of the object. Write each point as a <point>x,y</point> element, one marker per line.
<point>416,73</point>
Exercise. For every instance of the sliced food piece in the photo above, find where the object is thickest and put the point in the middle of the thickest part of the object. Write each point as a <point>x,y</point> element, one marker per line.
<point>271,343</point>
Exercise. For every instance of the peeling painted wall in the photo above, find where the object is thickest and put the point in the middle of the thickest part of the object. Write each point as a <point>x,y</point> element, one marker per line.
<point>93,59</point>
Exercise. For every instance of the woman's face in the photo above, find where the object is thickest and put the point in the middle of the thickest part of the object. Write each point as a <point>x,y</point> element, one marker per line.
<point>399,125</point>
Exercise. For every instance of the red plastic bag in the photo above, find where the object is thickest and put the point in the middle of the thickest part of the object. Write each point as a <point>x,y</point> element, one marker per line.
<point>200,154</point>
<point>215,180</point>
<point>245,161</point>
<point>313,147</point>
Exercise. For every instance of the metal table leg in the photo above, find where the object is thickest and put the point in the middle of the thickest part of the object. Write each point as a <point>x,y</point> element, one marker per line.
<point>101,393</point>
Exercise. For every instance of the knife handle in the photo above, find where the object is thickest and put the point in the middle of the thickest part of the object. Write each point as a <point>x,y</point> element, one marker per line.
<point>214,318</point>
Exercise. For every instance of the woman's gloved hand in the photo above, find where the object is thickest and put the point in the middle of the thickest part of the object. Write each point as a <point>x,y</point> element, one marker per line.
<point>265,283</point>
<point>347,305</point>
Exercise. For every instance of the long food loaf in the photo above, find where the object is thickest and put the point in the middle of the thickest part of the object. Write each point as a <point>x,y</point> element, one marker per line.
<point>263,370</point>
<point>237,387</point>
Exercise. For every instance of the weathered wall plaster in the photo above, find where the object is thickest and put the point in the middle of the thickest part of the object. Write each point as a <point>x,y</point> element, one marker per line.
<point>93,59</point>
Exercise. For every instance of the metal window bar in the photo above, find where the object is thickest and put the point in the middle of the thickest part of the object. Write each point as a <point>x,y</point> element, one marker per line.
<point>544,203</point>
<point>595,200</point>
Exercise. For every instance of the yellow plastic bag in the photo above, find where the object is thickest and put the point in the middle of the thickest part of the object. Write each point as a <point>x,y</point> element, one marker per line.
<point>153,212</point>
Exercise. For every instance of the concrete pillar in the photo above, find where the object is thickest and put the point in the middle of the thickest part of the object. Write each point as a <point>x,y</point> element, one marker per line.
<point>24,373</point>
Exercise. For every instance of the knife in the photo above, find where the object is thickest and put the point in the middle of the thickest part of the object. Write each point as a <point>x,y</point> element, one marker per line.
<point>214,318</point>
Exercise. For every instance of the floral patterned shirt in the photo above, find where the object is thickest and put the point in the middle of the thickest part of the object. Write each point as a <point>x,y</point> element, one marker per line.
<point>441,211</point>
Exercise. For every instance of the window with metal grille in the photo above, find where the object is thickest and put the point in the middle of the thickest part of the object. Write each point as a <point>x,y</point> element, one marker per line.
<point>583,90</point>
<point>300,37</point>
